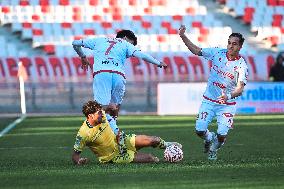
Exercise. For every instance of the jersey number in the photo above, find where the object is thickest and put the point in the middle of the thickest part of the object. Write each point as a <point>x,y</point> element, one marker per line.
<point>111,44</point>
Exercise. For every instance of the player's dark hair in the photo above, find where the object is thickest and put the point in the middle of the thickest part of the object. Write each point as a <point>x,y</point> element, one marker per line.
<point>91,107</point>
<point>127,33</point>
<point>240,36</point>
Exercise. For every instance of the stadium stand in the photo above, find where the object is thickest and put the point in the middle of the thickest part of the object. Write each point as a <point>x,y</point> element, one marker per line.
<point>265,18</point>
<point>54,24</point>
<point>39,33</point>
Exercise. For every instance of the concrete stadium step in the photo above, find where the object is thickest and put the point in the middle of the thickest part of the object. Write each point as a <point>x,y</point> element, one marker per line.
<point>22,47</point>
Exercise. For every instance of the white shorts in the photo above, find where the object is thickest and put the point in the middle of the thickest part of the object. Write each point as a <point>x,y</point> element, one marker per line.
<point>209,110</point>
<point>108,88</point>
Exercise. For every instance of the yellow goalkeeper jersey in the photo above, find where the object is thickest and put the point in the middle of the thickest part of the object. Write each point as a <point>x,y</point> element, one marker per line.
<point>100,139</point>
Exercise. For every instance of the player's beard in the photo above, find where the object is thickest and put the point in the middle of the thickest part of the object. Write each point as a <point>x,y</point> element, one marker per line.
<point>100,118</point>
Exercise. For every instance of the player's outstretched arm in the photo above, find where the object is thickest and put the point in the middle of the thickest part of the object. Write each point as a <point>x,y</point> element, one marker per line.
<point>149,58</point>
<point>77,160</point>
<point>192,47</point>
<point>77,44</point>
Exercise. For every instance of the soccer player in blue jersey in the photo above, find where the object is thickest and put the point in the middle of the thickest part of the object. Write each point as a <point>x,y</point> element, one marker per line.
<point>108,69</point>
<point>96,134</point>
<point>227,79</point>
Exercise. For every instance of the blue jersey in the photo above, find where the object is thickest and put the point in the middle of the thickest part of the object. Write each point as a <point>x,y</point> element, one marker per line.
<point>109,53</point>
<point>224,73</point>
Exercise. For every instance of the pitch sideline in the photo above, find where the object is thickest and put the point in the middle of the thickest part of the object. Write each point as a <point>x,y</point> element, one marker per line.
<point>12,125</point>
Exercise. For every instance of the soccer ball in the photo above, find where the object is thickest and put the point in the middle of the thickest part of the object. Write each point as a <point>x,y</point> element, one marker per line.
<point>173,154</point>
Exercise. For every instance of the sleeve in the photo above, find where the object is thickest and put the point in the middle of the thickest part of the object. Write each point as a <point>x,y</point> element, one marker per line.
<point>80,143</point>
<point>209,53</point>
<point>146,57</point>
<point>130,49</point>
<point>243,72</point>
<point>89,43</point>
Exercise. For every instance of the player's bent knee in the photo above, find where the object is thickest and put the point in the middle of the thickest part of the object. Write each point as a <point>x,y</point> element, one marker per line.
<point>112,110</point>
<point>201,126</point>
<point>200,133</point>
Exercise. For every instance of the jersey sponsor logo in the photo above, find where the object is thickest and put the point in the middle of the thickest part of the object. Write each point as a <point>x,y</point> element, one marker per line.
<point>219,71</point>
<point>220,85</point>
<point>109,62</point>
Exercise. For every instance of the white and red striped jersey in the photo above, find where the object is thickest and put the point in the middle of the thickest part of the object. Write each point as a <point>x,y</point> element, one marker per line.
<point>224,74</point>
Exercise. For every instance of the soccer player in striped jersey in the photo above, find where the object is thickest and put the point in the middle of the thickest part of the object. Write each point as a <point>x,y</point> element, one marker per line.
<point>227,79</point>
<point>97,134</point>
<point>109,70</point>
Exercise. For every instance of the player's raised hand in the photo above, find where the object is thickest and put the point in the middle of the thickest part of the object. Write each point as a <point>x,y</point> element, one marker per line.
<point>85,63</point>
<point>163,65</point>
<point>181,30</point>
<point>223,98</point>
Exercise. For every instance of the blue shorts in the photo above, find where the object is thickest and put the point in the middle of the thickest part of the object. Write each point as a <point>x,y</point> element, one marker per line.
<point>209,110</point>
<point>108,88</point>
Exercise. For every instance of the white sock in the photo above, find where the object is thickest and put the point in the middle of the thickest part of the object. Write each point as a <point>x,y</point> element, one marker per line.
<point>112,123</point>
<point>208,136</point>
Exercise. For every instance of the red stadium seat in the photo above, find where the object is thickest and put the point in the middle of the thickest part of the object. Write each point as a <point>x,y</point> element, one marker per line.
<point>44,2</point>
<point>117,17</point>
<point>196,24</point>
<point>161,38</point>
<point>24,3</point>
<point>137,17</point>
<point>177,17</point>
<point>27,25</point>
<point>45,8</point>
<point>5,10</point>
<point>190,10</point>
<point>281,2</point>
<point>93,2</point>
<point>148,10</point>
<point>96,17</point>
<point>132,2</point>
<point>37,32</point>
<point>89,32</point>
<point>146,25</point>
<point>247,18</point>
<point>35,17</point>
<point>66,25</point>
<point>106,24</point>
<point>64,2</point>
<point>49,49</point>
<point>113,2</point>
<point>272,2</point>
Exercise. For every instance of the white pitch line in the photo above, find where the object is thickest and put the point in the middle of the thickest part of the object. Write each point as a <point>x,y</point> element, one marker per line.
<point>12,125</point>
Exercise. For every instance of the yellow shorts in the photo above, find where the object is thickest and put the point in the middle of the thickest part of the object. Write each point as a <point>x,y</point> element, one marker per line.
<point>131,150</point>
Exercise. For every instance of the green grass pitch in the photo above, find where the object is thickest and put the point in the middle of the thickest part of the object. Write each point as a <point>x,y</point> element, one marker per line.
<point>37,154</point>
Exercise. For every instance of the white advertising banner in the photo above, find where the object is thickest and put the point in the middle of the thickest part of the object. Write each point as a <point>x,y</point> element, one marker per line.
<point>185,98</point>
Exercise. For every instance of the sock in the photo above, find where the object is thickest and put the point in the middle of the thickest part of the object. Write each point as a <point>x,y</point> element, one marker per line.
<point>112,123</point>
<point>217,145</point>
<point>208,135</point>
<point>162,144</point>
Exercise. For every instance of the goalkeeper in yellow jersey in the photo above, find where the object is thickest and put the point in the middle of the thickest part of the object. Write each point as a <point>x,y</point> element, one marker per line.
<point>97,134</point>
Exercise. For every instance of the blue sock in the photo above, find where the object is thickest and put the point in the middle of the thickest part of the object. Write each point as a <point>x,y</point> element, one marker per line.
<point>112,123</point>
